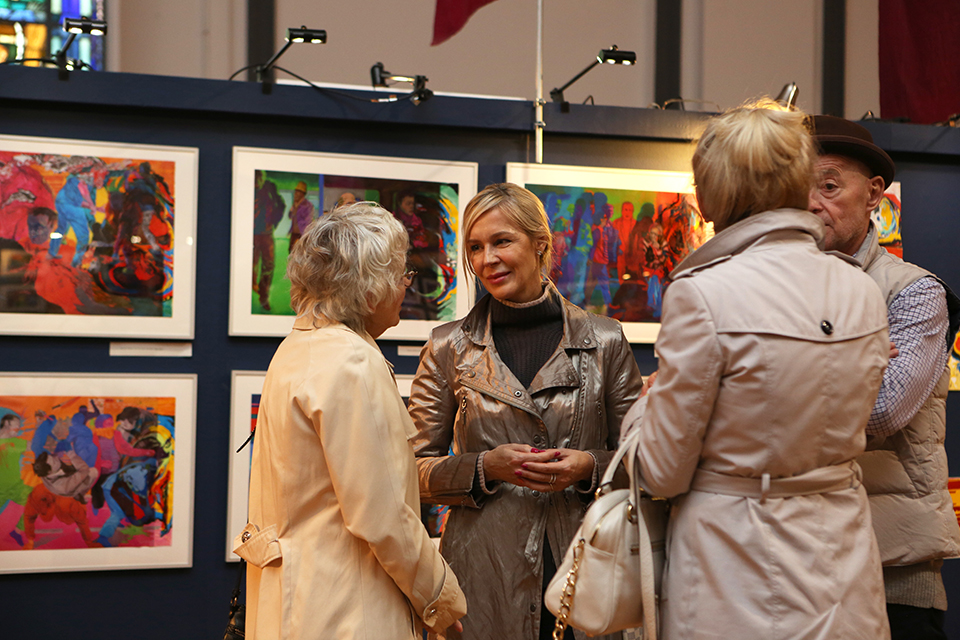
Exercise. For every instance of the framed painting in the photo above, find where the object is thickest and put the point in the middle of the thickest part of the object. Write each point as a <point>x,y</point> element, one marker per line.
<point>246,387</point>
<point>617,233</point>
<point>97,239</point>
<point>96,471</point>
<point>276,194</point>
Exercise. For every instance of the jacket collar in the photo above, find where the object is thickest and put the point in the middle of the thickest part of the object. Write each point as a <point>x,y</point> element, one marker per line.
<point>578,332</point>
<point>306,323</point>
<point>745,233</point>
<point>870,248</point>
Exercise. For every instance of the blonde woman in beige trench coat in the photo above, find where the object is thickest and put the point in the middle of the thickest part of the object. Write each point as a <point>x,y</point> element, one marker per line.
<point>529,390</point>
<point>771,355</point>
<point>335,546</point>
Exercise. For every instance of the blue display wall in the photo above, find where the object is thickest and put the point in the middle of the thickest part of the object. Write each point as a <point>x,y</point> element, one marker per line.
<point>215,116</point>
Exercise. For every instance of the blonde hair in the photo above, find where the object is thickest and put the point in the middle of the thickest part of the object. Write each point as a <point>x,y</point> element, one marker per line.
<point>754,158</point>
<point>346,263</point>
<point>521,207</point>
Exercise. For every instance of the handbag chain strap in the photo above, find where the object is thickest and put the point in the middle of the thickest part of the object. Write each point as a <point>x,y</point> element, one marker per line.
<point>569,589</point>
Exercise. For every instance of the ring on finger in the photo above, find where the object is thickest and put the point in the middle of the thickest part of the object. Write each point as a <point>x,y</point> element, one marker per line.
<point>553,478</point>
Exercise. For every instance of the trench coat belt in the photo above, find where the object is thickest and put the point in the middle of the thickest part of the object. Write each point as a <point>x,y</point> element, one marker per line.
<point>821,480</point>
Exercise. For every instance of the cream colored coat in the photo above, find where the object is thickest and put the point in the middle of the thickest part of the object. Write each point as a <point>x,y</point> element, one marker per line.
<point>750,383</point>
<point>338,551</point>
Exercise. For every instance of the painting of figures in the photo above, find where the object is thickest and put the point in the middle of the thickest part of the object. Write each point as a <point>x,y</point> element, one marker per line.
<point>91,472</point>
<point>286,203</point>
<point>277,194</point>
<point>617,234</point>
<point>90,238</point>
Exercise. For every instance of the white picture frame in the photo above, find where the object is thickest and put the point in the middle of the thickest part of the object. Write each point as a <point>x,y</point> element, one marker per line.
<point>324,175</point>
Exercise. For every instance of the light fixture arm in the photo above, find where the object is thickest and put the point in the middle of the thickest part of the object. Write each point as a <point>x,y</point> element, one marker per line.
<point>556,95</point>
<point>265,67</point>
<point>61,55</point>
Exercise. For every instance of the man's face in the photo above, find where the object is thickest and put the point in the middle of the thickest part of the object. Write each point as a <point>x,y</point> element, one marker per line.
<point>843,196</point>
<point>298,195</point>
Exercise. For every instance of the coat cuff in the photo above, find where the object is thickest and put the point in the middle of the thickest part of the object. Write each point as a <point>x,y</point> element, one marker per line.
<point>449,606</point>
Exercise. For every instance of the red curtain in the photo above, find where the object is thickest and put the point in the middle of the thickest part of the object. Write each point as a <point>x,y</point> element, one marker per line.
<point>451,16</point>
<point>919,59</point>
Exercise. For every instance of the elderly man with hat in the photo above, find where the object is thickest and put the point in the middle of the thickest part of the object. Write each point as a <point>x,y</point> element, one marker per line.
<point>302,213</point>
<point>905,466</point>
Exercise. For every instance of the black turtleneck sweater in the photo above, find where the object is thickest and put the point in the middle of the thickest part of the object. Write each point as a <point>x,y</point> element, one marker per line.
<point>527,336</point>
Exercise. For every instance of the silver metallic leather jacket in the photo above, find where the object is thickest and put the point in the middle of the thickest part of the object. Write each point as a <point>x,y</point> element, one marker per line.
<point>465,398</point>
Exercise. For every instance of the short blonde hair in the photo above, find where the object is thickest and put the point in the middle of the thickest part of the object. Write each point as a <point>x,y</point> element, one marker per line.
<point>754,158</point>
<point>522,207</point>
<point>346,263</point>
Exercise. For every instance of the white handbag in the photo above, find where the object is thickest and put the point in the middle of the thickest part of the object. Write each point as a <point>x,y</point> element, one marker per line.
<point>611,573</point>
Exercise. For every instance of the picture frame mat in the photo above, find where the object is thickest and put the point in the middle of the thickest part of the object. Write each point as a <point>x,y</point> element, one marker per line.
<point>606,178</point>
<point>247,160</point>
<point>180,325</point>
<point>183,387</point>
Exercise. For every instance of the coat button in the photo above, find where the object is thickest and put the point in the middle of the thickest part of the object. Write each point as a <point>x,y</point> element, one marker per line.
<point>518,393</point>
<point>431,613</point>
<point>586,341</point>
<point>533,608</point>
<point>471,374</point>
<point>537,439</point>
<point>536,494</point>
<point>245,536</point>
<point>826,327</point>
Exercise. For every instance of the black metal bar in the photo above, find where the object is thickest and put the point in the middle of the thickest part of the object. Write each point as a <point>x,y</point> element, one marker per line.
<point>666,84</point>
<point>834,57</point>
<point>261,26</point>
<point>557,94</point>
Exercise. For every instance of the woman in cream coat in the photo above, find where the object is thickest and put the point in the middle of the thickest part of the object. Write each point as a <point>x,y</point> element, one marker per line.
<point>335,545</point>
<point>771,356</point>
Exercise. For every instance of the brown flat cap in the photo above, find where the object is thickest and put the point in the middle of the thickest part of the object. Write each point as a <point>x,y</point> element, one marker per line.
<point>845,138</point>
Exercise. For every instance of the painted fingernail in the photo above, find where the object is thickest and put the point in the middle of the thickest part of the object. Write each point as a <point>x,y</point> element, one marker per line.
<point>535,450</point>
<point>519,473</point>
<point>556,455</point>
<point>524,465</point>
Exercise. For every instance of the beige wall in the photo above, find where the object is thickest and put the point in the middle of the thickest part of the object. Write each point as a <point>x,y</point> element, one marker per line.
<point>732,50</point>
<point>194,38</point>
<point>494,54</point>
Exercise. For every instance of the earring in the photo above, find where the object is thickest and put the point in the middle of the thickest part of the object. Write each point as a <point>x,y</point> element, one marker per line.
<point>540,253</point>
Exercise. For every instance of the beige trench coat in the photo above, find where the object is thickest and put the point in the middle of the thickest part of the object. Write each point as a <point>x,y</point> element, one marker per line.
<point>464,396</point>
<point>338,551</point>
<point>771,356</point>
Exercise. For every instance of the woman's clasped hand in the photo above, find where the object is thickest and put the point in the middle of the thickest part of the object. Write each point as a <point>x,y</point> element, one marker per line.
<point>543,470</point>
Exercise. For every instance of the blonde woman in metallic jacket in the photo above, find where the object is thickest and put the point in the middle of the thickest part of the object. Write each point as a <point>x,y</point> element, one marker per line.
<point>771,355</point>
<point>335,545</point>
<point>529,392</point>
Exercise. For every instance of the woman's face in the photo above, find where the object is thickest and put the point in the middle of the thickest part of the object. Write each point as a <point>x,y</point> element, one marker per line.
<point>504,258</point>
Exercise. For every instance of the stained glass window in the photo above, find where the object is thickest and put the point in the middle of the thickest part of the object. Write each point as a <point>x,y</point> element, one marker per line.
<point>31,29</point>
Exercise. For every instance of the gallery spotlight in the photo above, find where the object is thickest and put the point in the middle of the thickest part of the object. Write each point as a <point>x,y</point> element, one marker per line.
<point>75,27</point>
<point>613,55</point>
<point>379,77</point>
<point>309,36</point>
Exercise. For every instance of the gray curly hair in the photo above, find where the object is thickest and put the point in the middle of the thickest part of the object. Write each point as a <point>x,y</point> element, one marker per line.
<point>346,263</point>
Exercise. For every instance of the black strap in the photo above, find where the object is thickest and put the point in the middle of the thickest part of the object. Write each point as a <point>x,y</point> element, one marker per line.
<point>235,595</point>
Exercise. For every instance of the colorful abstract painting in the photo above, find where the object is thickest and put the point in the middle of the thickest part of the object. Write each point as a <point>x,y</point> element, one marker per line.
<point>89,238</point>
<point>91,472</point>
<point>886,218</point>
<point>277,194</point>
<point>617,234</point>
<point>82,472</point>
<point>286,203</point>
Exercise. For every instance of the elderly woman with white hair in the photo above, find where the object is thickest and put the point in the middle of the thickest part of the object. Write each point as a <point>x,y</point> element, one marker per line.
<point>335,545</point>
<point>771,355</point>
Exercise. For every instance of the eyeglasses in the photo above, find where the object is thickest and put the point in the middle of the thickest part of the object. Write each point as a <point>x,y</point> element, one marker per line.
<point>408,277</point>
